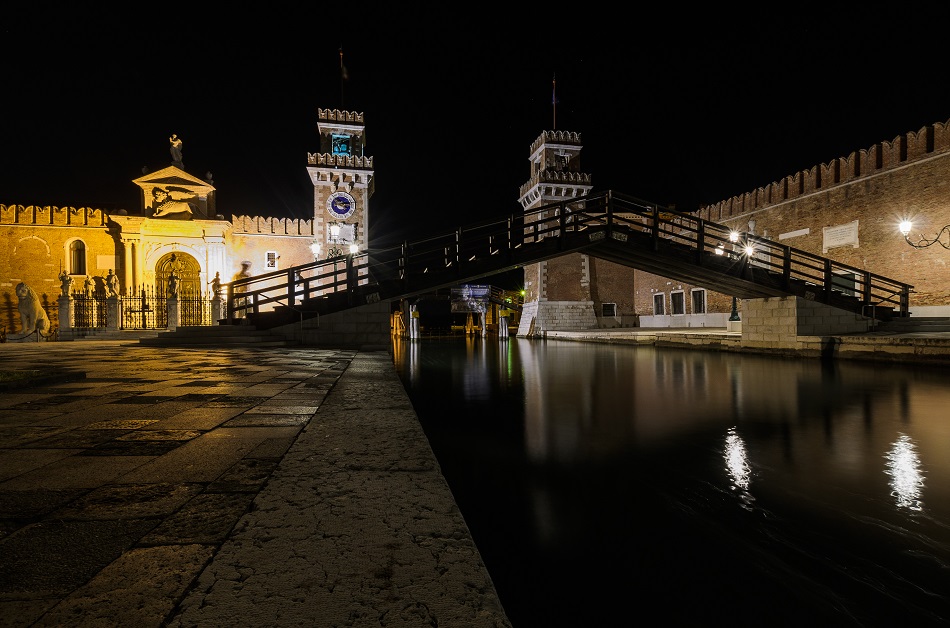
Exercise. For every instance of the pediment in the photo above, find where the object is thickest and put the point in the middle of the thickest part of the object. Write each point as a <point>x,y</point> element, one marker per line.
<point>176,177</point>
<point>173,193</point>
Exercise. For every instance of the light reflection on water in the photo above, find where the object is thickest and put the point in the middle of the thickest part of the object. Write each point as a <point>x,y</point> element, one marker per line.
<point>604,482</point>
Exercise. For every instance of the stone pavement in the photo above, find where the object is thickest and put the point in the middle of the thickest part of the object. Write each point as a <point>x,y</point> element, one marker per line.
<point>148,486</point>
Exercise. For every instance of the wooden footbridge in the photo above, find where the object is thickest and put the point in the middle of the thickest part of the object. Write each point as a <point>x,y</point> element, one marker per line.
<point>606,225</point>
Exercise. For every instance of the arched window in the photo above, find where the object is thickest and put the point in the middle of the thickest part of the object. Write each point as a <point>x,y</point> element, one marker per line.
<point>77,258</point>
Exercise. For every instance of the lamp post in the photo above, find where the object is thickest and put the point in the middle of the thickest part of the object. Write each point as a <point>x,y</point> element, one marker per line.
<point>338,241</point>
<point>735,311</point>
<point>923,242</point>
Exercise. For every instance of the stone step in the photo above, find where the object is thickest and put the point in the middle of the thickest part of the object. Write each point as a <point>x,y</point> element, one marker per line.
<point>911,324</point>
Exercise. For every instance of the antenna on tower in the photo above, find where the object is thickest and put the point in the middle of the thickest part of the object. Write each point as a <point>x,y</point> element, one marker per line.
<point>554,101</point>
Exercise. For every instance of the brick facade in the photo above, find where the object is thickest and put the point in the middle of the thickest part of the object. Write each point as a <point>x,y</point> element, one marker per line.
<point>868,192</point>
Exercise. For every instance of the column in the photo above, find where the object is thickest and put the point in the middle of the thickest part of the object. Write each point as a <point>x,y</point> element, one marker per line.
<point>128,280</point>
<point>65,313</point>
<point>112,314</point>
<point>172,305</point>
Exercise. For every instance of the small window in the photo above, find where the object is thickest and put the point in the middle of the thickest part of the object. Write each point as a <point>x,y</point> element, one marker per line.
<point>608,309</point>
<point>659,304</point>
<point>270,260</point>
<point>340,144</point>
<point>699,301</point>
<point>77,258</point>
<point>677,303</point>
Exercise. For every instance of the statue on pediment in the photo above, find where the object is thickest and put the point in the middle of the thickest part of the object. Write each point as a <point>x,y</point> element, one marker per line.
<point>175,149</point>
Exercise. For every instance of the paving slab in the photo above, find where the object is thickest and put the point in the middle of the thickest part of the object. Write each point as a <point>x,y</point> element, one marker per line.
<point>226,487</point>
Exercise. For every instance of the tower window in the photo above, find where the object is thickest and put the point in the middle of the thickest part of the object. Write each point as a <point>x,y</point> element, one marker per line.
<point>77,258</point>
<point>340,144</point>
<point>270,259</point>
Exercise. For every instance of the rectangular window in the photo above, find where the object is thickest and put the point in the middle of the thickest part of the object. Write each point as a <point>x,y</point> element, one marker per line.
<point>608,309</point>
<point>270,260</point>
<point>677,303</point>
<point>659,301</point>
<point>699,301</point>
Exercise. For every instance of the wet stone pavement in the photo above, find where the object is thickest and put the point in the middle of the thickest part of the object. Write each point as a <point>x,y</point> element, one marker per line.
<point>225,487</point>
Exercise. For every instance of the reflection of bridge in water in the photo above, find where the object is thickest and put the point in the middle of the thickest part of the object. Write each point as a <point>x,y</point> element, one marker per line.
<point>606,225</point>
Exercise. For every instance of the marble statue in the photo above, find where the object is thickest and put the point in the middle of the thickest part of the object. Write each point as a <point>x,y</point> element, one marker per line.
<point>66,283</point>
<point>216,284</point>
<point>175,149</point>
<point>32,315</point>
<point>112,284</point>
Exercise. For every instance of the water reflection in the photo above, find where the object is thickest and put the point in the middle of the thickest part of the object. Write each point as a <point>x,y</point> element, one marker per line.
<point>907,480</point>
<point>569,459</point>
<point>737,466</point>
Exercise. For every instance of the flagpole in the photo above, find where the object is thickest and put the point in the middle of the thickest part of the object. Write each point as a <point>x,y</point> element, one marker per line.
<point>341,77</point>
<point>554,101</point>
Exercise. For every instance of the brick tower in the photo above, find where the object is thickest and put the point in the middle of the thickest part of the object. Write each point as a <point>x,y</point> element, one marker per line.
<point>573,291</point>
<point>342,179</point>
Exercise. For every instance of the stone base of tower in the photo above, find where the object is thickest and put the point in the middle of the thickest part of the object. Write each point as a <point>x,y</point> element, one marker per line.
<point>540,316</point>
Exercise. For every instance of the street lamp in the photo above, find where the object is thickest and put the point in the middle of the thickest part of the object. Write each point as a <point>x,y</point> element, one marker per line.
<point>734,238</point>
<point>338,239</point>
<point>923,242</point>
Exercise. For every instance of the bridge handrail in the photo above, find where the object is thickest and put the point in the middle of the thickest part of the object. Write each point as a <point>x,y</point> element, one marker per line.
<point>607,215</point>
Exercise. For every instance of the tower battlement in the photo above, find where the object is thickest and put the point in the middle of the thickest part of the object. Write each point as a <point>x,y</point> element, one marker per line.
<point>555,137</point>
<point>556,177</point>
<point>335,115</point>
<point>339,161</point>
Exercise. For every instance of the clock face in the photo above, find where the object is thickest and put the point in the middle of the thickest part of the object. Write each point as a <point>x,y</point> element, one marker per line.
<point>341,205</point>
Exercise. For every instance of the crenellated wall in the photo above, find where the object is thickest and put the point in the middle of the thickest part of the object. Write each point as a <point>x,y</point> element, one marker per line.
<point>43,215</point>
<point>273,226</point>
<point>555,137</point>
<point>348,117</point>
<point>884,156</point>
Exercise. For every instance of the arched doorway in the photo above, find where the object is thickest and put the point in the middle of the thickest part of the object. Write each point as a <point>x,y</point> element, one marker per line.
<point>186,268</point>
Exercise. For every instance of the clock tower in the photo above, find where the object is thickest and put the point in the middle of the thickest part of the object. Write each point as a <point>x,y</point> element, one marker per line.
<point>342,179</point>
<point>573,291</point>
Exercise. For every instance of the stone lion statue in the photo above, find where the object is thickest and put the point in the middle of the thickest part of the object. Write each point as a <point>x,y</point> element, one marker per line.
<point>32,315</point>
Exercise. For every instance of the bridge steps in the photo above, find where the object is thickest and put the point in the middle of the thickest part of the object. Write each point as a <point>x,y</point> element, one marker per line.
<point>915,324</point>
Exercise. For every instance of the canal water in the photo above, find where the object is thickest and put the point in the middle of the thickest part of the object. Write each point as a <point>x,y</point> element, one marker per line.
<point>610,485</point>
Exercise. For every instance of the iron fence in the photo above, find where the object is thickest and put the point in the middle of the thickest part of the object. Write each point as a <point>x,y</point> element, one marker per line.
<point>140,310</point>
<point>89,310</point>
<point>194,309</point>
<point>144,308</point>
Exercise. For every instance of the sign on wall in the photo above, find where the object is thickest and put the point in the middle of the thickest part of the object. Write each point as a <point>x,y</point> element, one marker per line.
<point>839,235</point>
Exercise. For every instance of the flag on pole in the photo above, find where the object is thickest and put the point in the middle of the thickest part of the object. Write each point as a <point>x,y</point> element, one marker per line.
<point>344,74</point>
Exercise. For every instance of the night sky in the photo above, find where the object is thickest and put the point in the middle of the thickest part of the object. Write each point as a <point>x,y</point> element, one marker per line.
<point>684,108</point>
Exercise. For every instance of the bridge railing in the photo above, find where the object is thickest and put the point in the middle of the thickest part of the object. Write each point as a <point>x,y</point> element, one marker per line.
<point>605,215</point>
